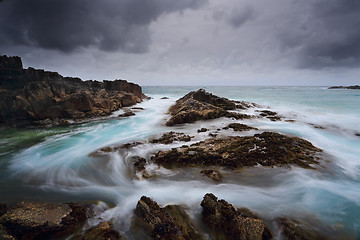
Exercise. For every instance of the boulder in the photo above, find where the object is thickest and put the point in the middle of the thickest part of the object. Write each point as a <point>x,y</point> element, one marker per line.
<point>239,127</point>
<point>170,222</point>
<point>227,222</point>
<point>30,220</point>
<point>267,149</point>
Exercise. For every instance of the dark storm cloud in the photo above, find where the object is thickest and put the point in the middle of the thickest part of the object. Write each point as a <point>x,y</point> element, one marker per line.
<point>330,37</point>
<point>67,25</point>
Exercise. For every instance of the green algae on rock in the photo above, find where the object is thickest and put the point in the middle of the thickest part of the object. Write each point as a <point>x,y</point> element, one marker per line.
<point>267,149</point>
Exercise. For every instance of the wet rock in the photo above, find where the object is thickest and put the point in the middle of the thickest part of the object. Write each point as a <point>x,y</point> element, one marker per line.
<point>269,115</point>
<point>102,232</point>
<point>31,96</point>
<point>130,145</point>
<point>226,222</point>
<point>296,230</point>
<point>139,166</point>
<point>42,220</point>
<point>213,174</point>
<point>4,235</point>
<point>240,127</point>
<point>170,137</point>
<point>127,114</point>
<point>201,105</point>
<point>267,149</point>
<point>137,108</point>
<point>160,224</point>
<point>164,98</point>
<point>202,130</point>
<point>357,134</point>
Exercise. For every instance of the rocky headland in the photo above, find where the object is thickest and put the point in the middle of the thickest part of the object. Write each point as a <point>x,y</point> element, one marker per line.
<point>34,96</point>
<point>345,87</point>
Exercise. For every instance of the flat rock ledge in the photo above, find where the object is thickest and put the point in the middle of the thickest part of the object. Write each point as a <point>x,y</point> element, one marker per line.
<point>267,149</point>
<point>201,105</point>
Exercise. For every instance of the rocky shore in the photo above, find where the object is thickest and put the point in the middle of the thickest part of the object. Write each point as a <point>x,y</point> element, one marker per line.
<point>33,96</point>
<point>345,87</point>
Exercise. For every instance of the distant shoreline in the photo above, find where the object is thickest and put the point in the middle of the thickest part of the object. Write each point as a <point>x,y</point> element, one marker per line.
<point>345,87</point>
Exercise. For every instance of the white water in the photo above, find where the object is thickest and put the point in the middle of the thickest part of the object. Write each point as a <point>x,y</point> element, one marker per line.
<point>57,166</point>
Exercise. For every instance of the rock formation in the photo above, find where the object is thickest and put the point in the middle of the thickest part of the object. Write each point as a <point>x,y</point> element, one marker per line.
<point>267,149</point>
<point>345,87</point>
<point>29,95</point>
<point>226,222</point>
<point>201,105</point>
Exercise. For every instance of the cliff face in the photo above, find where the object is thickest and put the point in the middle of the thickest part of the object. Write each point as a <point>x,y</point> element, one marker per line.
<point>30,95</point>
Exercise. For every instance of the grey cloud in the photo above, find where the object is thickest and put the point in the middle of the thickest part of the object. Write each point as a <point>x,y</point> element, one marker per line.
<point>330,37</point>
<point>67,25</point>
<point>240,16</point>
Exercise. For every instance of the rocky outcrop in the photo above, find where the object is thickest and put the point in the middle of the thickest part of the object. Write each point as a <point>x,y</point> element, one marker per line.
<point>28,95</point>
<point>226,222</point>
<point>43,220</point>
<point>267,149</point>
<point>201,105</point>
<point>170,222</point>
<point>345,87</point>
<point>170,137</point>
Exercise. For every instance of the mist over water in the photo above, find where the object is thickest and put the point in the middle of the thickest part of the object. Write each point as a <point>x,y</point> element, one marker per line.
<point>54,164</point>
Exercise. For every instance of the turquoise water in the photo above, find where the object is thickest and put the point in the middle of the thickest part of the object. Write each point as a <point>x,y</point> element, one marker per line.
<point>54,164</point>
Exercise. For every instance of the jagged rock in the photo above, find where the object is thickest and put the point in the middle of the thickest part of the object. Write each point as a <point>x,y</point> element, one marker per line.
<point>202,130</point>
<point>102,232</point>
<point>296,230</point>
<point>226,222</point>
<point>213,174</point>
<point>269,115</point>
<point>267,149</point>
<point>42,220</point>
<point>164,223</point>
<point>30,96</point>
<point>201,105</point>
<point>170,137</point>
<point>239,127</point>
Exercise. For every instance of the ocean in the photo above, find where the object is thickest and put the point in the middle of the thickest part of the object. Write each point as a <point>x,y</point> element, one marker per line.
<point>54,164</point>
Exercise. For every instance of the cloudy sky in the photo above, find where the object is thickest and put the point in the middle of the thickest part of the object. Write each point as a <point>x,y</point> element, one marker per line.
<point>188,42</point>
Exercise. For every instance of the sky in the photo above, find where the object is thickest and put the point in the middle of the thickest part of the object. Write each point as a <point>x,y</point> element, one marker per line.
<point>188,42</point>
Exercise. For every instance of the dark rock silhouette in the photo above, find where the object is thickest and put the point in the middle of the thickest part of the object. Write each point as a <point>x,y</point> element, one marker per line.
<point>29,96</point>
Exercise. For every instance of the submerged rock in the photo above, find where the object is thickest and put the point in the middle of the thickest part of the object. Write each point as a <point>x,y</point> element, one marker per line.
<point>202,130</point>
<point>170,137</point>
<point>127,114</point>
<point>213,174</point>
<point>267,149</point>
<point>226,222</point>
<point>42,220</point>
<point>273,116</point>
<point>239,127</point>
<point>170,222</point>
<point>102,232</point>
<point>30,96</point>
<point>201,105</point>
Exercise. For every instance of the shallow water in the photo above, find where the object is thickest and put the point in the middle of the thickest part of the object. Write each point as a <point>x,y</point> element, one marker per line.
<point>53,164</point>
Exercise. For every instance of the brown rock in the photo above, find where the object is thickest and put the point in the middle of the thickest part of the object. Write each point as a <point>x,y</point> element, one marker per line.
<point>31,96</point>
<point>296,230</point>
<point>267,149</point>
<point>102,232</point>
<point>240,127</point>
<point>226,222</point>
<point>170,137</point>
<point>41,220</point>
<point>202,130</point>
<point>160,224</point>
<point>201,105</point>
<point>213,174</point>
<point>127,114</point>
